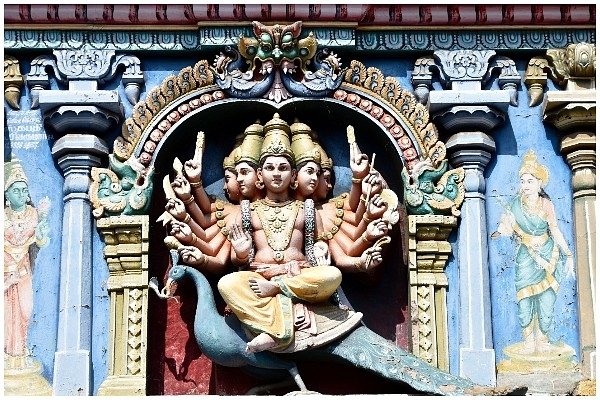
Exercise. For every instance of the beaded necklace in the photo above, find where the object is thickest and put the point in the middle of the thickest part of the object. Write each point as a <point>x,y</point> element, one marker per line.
<point>278,221</point>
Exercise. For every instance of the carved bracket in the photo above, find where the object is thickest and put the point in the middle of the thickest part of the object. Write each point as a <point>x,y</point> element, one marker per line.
<point>465,70</point>
<point>124,189</point>
<point>572,68</point>
<point>430,190</point>
<point>13,81</point>
<point>84,70</point>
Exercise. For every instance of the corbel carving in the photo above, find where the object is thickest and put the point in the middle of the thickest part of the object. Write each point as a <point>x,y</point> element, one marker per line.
<point>572,68</point>
<point>96,66</point>
<point>464,70</point>
<point>13,81</point>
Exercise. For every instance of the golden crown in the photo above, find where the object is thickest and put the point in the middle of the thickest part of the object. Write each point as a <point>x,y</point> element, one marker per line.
<point>277,139</point>
<point>531,166</point>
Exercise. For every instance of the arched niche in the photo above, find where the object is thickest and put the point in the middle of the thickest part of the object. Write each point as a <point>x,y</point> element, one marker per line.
<point>388,121</point>
<point>222,121</point>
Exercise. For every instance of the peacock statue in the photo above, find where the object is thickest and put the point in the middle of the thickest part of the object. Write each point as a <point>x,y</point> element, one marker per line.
<point>223,340</point>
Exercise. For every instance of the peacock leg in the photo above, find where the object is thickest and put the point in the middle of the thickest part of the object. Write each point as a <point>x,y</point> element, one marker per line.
<point>296,375</point>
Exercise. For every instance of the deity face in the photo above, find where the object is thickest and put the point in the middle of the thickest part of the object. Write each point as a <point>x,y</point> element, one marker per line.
<point>308,179</point>
<point>17,195</point>
<point>277,174</point>
<point>246,177</point>
<point>530,185</point>
<point>231,188</point>
<point>324,185</point>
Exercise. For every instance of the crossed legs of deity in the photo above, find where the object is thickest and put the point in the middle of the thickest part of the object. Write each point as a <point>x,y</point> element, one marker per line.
<point>262,288</point>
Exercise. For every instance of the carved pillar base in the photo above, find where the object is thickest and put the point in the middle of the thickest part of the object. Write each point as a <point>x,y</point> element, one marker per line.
<point>126,253</point>
<point>26,380</point>
<point>429,251</point>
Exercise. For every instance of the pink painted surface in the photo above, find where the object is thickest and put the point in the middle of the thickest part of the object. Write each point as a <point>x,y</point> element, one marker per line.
<point>364,15</point>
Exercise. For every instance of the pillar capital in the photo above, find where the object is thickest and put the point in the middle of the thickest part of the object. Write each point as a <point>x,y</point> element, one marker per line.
<point>463,73</point>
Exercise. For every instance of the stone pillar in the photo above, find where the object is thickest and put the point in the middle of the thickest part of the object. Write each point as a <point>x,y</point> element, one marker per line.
<point>76,154</point>
<point>428,253</point>
<point>126,252</point>
<point>472,151</point>
<point>466,113</point>
<point>574,113</point>
<point>78,116</point>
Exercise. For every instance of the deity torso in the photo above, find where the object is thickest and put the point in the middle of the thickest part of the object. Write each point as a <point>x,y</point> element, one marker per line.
<point>278,230</point>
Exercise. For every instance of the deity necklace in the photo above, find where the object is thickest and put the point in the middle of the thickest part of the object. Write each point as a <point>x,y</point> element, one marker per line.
<point>278,221</point>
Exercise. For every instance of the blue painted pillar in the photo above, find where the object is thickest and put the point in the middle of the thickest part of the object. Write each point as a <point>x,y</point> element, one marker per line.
<point>472,151</point>
<point>466,114</point>
<point>76,154</point>
<point>79,116</point>
<point>470,148</point>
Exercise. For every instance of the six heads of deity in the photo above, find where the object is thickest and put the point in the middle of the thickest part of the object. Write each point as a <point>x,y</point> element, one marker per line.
<point>297,143</point>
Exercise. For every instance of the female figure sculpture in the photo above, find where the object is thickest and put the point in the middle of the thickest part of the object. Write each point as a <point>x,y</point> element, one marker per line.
<point>543,258</point>
<point>25,231</point>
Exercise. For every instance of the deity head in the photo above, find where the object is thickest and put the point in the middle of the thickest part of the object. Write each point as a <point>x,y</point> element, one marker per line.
<point>534,176</point>
<point>326,177</point>
<point>231,188</point>
<point>249,148</point>
<point>16,185</point>
<point>307,158</point>
<point>277,140</point>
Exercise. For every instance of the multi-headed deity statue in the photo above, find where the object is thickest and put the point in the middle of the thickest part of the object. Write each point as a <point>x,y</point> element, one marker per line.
<point>288,238</point>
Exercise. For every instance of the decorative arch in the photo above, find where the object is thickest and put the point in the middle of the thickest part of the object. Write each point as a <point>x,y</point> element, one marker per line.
<point>395,110</point>
<point>172,109</point>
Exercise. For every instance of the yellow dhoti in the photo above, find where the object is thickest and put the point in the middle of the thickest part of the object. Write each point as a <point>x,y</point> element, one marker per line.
<point>275,315</point>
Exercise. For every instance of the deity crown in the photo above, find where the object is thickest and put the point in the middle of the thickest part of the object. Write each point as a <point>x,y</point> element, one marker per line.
<point>13,172</point>
<point>531,166</point>
<point>302,144</point>
<point>277,139</point>
<point>250,149</point>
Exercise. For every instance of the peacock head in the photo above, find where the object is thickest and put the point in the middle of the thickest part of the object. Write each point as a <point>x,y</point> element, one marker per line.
<point>175,274</point>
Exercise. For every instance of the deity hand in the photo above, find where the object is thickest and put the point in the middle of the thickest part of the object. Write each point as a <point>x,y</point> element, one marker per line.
<point>12,279</point>
<point>376,207</point>
<point>373,183</point>
<point>321,252</point>
<point>359,162</point>
<point>192,255</point>
<point>376,229</point>
<point>570,267</point>
<point>241,242</point>
<point>42,229</point>
<point>505,228</point>
<point>371,257</point>
<point>182,232</point>
<point>193,170</point>
<point>181,187</point>
<point>176,208</point>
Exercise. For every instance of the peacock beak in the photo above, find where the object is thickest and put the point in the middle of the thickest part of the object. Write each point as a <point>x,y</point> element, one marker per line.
<point>166,291</point>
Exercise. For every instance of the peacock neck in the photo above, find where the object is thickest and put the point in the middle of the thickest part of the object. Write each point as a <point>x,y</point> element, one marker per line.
<point>206,309</point>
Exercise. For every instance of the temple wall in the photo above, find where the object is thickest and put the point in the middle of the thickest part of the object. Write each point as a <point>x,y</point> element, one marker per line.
<point>27,139</point>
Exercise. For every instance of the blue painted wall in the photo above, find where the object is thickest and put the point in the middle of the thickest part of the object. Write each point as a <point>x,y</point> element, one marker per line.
<point>523,130</point>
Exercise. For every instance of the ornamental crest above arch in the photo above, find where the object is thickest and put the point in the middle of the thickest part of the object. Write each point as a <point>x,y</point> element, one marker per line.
<point>278,66</point>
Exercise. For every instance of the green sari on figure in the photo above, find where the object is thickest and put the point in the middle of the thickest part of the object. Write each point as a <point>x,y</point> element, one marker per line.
<point>540,267</point>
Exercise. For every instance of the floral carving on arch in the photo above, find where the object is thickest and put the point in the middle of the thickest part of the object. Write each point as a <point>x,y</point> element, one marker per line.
<point>396,110</point>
